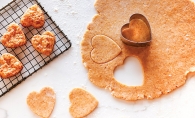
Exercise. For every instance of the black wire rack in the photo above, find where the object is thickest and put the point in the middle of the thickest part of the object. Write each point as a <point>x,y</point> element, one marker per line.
<point>31,59</point>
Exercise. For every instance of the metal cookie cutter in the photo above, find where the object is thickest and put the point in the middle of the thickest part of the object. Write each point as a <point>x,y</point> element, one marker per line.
<point>130,41</point>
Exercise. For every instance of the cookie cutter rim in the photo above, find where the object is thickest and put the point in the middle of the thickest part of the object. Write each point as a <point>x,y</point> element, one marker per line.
<point>131,42</point>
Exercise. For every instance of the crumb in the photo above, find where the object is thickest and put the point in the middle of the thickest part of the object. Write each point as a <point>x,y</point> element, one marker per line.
<point>56,9</point>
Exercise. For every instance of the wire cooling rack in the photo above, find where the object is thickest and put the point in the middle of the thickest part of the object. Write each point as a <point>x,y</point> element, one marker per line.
<point>31,59</point>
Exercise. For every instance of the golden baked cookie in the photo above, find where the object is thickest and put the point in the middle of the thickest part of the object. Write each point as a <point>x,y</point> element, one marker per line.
<point>14,37</point>
<point>44,43</point>
<point>166,62</point>
<point>10,65</point>
<point>42,103</point>
<point>82,103</point>
<point>33,16</point>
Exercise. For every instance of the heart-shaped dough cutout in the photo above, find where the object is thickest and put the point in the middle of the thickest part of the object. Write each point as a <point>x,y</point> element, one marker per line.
<point>33,17</point>
<point>105,49</point>
<point>14,37</point>
<point>82,103</point>
<point>44,43</point>
<point>10,65</point>
<point>42,103</point>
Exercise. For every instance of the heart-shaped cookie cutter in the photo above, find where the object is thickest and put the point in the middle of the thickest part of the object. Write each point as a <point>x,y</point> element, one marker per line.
<point>134,43</point>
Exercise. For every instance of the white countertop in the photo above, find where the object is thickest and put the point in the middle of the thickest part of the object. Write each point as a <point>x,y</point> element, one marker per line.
<point>67,72</point>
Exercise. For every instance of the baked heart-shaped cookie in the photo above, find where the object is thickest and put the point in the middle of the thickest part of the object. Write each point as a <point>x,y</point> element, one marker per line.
<point>42,103</point>
<point>14,37</point>
<point>10,65</point>
<point>33,17</point>
<point>44,43</point>
<point>82,103</point>
<point>104,49</point>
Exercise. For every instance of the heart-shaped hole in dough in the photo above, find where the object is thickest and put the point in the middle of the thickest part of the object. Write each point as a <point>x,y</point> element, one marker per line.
<point>130,73</point>
<point>104,49</point>
<point>42,103</point>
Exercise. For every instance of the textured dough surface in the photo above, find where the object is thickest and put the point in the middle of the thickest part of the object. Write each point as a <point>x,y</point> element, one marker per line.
<point>82,103</point>
<point>165,62</point>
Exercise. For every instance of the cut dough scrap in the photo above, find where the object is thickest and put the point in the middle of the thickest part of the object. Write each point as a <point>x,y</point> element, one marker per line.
<point>82,103</point>
<point>165,62</point>
<point>105,49</point>
<point>42,103</point>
